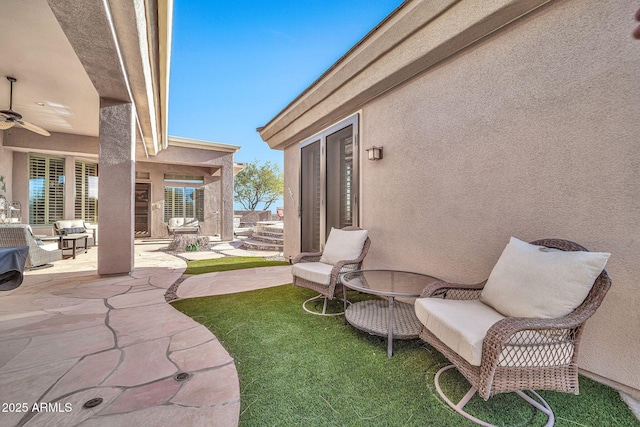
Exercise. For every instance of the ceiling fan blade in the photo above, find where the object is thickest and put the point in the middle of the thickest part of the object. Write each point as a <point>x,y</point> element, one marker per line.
<point>32,127</point>
<point>6,121</point>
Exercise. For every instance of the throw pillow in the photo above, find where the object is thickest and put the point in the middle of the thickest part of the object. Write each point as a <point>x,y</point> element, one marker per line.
<point>73,230</point>
<point>535,281</point>
<point>343,245</point>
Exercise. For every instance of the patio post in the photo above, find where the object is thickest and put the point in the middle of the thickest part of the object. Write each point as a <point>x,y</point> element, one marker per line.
<point>116,188</point>
<point>226,213</point>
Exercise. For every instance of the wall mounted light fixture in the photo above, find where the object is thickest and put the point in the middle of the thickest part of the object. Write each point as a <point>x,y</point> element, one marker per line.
<point>374,153</point>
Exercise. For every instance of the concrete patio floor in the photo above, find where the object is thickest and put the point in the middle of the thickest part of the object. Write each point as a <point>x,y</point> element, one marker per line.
<point>68,336</point>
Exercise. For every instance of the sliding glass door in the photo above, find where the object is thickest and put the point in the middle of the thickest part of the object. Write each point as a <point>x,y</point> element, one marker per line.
<point>339,179</point>
<point>310,197</point>
<point>328,183</point>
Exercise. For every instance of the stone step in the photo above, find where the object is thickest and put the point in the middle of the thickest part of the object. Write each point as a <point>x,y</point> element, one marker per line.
<point>243,231</point>
<point>267,239</point>
<point>277,235</point>
<point>273,229</point>
<point>261,246</point>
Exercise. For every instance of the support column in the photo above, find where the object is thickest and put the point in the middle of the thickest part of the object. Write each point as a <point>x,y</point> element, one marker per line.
<point>116,187</point>
<point>226,211</point>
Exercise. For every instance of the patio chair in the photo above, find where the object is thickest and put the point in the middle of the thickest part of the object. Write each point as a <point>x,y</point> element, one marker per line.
<point>21,235</point>
<point>520,329</point>
<point>76,227</point>
<point>183,226</point>
<point>344,251</point>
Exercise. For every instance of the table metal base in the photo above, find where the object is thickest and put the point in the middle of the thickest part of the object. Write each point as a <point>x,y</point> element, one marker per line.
<point>74,247</point>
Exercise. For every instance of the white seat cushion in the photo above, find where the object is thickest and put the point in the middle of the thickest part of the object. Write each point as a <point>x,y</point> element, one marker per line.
<point>317,272</point>
<point>534,281</point>
<point>460,324</point>
<point>343,245</point>
<point>49,246</point>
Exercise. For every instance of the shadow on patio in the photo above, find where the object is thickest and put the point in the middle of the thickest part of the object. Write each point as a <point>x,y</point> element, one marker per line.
<point>69,339</point>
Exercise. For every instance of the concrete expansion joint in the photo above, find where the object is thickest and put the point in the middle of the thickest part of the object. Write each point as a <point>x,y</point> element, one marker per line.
<point>109,306</point>
<point>108,326</point>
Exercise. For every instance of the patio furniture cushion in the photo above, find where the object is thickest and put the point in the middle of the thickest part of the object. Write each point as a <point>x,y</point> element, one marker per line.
<point>46,246</point>
<point>343,245</point>
<point>182,222</point>
<point>69,223</point>
<point>190,222</point>
<point>535,281</point>
<point>183,225</point>
<point>73,230</point>
<point>460,324</point>
<point>317,272</point>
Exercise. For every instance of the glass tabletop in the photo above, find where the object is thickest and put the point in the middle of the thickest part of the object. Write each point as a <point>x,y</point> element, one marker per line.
<point>387,282</point>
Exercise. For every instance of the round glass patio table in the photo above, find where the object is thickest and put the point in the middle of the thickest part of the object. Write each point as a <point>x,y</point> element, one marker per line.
<point>385,317</point>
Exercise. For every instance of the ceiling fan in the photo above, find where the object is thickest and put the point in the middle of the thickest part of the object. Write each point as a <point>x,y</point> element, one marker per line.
<point>9,118</point>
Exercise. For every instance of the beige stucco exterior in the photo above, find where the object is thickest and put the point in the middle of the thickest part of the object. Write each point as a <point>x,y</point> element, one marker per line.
<point>212,161</point>
<point>531,131</point>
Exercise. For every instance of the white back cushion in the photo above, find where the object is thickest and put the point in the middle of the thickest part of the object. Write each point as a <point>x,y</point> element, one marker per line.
<point>343,245</point>
<point>534,281</point>
<point>64,223</point>
<point>176,222</point>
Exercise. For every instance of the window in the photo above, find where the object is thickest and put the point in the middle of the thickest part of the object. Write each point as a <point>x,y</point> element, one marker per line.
<point>180,202</point>
<point>46,190</point>
<point>186,179</point>
<point>86,205</point>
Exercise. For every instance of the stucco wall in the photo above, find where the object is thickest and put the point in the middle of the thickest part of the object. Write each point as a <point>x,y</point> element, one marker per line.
<point>291,202</point>
<point>56,143</point>
<point>181,160</point>
<point>218,162</point>
<point>532,133</point>
<point>6,168</point>
<point>212,195</point>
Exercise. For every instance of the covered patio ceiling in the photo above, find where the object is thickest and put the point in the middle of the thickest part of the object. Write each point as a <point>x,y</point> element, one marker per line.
<point>68,56</point>
<point>53,90</point>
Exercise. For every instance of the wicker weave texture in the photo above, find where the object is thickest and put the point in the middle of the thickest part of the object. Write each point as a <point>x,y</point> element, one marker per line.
<point>373,317</point>
<point>340,267</point>
<point>19,235</point>
<point>523,353</point>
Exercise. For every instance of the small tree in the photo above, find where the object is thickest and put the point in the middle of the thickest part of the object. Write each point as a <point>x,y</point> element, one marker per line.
<point>259,184</point>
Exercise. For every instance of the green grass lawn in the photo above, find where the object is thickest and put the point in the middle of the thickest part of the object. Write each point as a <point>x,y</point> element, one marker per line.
<point>297,369</point>
<point>229,263</point>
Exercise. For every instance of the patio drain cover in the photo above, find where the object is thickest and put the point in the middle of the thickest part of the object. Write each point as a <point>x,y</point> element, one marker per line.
<point>181,376</point>
<point>92,403</point>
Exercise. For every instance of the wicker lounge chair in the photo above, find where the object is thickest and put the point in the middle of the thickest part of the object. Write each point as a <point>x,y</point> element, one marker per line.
<point>321,271</point>
<point>517,353</point>
<point>76,227</point>
<point>21,235</point>
<point>183,226</point>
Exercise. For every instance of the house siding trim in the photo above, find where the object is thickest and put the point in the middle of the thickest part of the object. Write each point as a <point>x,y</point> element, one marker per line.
<point>419,36</point>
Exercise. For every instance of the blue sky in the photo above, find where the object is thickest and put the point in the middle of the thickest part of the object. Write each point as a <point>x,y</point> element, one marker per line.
<point>236,64</point>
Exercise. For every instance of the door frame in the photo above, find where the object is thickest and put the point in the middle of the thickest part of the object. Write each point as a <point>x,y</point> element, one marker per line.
<point>353,120</point>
